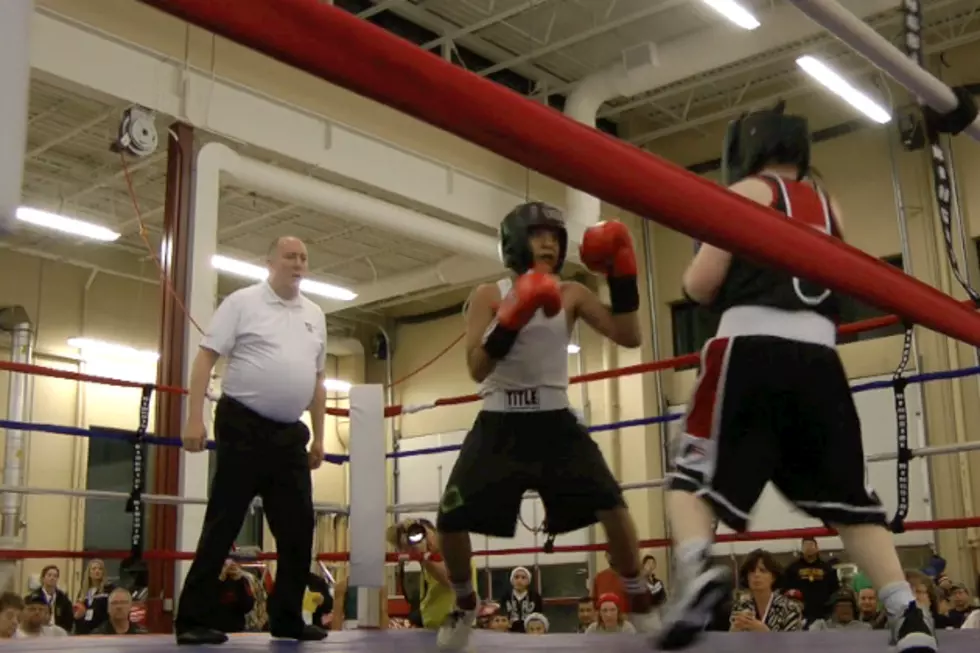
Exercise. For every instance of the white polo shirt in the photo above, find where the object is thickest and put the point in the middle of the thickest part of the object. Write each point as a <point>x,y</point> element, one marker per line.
<point>275,350</point>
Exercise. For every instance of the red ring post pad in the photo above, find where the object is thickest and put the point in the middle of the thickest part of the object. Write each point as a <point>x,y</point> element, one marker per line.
<point>338,47</point>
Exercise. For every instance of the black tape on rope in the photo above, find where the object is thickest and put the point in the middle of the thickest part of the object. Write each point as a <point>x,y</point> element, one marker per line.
<point>133,569</point>
<point>899,383</point>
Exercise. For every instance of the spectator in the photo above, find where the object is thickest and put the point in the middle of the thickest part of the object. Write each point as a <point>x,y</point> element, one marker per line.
<point>612,618</point>
<point>927,596</point>
<point>520,600</point>
<point>654,584</point>
<point>586,613</point>
<point>35,620</point>
<point>235,599</point>
<point>944,586</point>
<point>61,611</point>
<point>608,581</point>
<point>118,622</point>
<point>11,606</point>
<point>92,605</point>
<point>323,610</point>
<point>815,578</point>
<point>536,624</point>
<point>761,608</point>
<point>437,599</point>
<point>843,614</point>
<point>500,623</point>
<point>960,608</point>
<point>869,610</point>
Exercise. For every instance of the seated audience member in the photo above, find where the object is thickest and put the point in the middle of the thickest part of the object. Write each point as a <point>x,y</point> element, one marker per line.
<point>759,607</point>
<point>499,623</point>
<point>11,607</point>
<point>927,596</point>
<point>654,584</point>
<point>611,619</point>
<point>35,620</point>
<point>536,624</point>
<point>91,608</point>
<point>62,612</point>
<point>118,622</point>
<point>586,613</point>
<point>815,577</point>
<point>843,614</point>
<point>235,599</point>
<point>520,599</point>
<point>869,610</point>
<point>436,597</point>
<point>322,609</point>
<point>960,608</point>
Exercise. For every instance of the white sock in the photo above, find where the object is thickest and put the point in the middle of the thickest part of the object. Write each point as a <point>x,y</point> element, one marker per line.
<point>692,552</point>
<point>896,598</point>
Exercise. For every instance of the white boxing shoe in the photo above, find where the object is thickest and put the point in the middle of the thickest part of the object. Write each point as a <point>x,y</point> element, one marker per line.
<point>694,608</point>
<point>454,633</point>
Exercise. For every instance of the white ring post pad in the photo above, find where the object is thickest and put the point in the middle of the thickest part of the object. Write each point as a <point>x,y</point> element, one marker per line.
<point>368,503</point>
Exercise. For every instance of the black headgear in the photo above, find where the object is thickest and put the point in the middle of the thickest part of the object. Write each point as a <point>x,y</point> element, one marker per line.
<point>515,231</point>
<point>765,137</point>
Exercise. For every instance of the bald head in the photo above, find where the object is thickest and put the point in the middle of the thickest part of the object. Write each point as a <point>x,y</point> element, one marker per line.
<point>287,262</point>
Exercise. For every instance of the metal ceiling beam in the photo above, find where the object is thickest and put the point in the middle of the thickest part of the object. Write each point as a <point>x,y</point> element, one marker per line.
<point>854,71</point>
<point>480,46</point>
<point>72,133</point>
<point>583,36</point>
<point>486,22</point>
<point>749,66</point>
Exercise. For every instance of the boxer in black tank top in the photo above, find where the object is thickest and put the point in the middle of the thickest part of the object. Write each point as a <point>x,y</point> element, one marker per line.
<point>772,400</point>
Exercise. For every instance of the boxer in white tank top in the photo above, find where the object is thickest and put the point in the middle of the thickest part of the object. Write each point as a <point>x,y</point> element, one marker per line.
<point>526,437</point>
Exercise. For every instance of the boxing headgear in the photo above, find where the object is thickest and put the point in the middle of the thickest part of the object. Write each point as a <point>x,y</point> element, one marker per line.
<point>763,138</point>
<point>515,234</point>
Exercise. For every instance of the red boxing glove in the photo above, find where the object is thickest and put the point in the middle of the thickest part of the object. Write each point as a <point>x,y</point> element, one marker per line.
<point>607,248</point>
<point>531,291</point>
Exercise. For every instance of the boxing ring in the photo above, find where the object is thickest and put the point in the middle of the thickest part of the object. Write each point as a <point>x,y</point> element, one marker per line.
<point>344,50</point>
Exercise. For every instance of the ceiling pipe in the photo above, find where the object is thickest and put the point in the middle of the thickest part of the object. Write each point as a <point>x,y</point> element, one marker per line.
<point>478,254</point>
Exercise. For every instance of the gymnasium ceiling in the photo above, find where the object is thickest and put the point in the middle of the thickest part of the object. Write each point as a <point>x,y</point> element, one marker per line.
<point>550,44</point>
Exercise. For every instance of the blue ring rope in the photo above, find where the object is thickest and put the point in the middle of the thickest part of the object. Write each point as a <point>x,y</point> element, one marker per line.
<point>337,459</point>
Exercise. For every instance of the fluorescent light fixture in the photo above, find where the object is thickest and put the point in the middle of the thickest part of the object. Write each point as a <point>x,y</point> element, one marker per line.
<point>98,349</point>
<point>734,12</point>
<point>843,89</point>
<point>47,220</point>
<point>336,385</point>
<point>258,273</point>
<point>573,349</point>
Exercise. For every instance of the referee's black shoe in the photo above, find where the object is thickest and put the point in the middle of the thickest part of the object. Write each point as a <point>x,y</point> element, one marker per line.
<point>200,635</point>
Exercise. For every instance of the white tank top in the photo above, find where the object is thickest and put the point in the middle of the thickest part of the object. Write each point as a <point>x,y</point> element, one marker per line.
<point>537,362</point>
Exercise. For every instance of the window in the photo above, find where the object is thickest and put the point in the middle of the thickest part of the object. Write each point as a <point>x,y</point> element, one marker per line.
<point>854,310</point>
<point>108,527</point>
<point>693,325</point>
<point>252,528</point>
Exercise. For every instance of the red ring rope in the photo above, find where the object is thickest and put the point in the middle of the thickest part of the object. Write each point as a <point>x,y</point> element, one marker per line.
<point>390,411</point>
<point>752,536</point>
<point>342,49</point>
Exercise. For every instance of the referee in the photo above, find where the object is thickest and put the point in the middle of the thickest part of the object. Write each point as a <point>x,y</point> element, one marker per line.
<point>274,340</point>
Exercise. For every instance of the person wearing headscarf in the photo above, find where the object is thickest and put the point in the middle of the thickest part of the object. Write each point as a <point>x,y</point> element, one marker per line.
<point>521,600</point>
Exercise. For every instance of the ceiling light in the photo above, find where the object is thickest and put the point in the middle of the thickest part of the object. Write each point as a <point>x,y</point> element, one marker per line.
<point>336,385</point>
<point>574,349</point>
<point>734,12</point>
<point>843,89</point>
<point>72,226</point>
<point>98,349</point>
<point>258,273</point>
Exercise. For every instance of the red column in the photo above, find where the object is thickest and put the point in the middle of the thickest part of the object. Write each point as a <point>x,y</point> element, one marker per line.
<point>174,257</point>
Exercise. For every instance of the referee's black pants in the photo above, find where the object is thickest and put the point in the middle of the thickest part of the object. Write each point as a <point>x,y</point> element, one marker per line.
<point>255,456</point>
